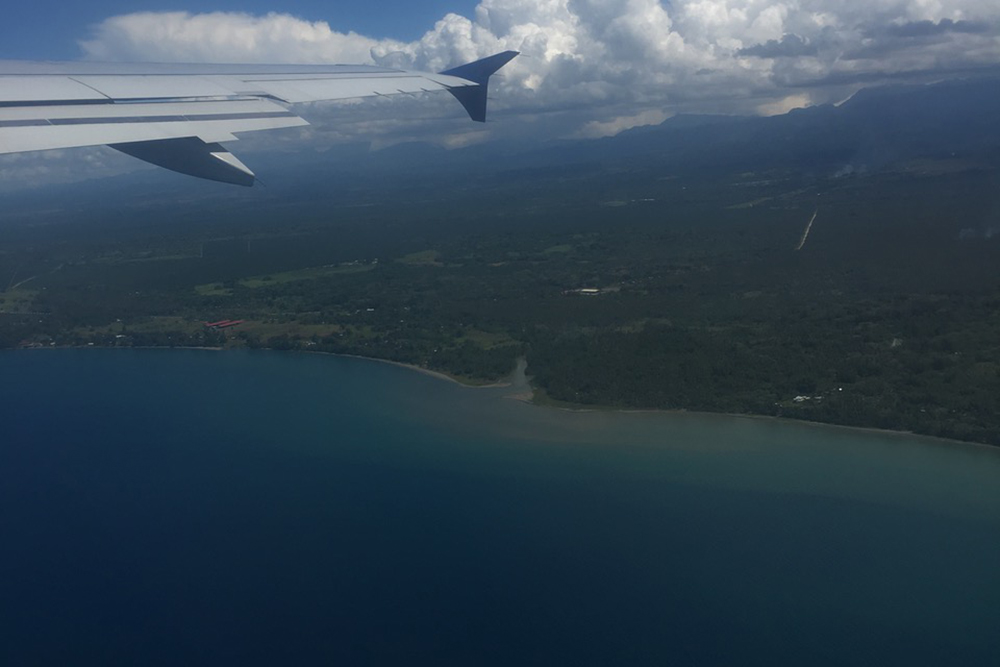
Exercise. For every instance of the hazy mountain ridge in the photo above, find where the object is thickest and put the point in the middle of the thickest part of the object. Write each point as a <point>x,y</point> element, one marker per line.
<point>875,129</point>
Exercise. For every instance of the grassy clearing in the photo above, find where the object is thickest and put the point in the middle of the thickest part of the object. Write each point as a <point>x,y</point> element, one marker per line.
<point>254,282</point>
<point>558,249</point>
<point>305,274</point>
<point>486,339</point>
<point>293,329</point>
<point>145,325</point>
<point>422,258</point>
<point>17,301</point>
<point>212,289</point>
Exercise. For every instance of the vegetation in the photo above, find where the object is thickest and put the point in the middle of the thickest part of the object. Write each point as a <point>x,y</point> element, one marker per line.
<point>628,287</point>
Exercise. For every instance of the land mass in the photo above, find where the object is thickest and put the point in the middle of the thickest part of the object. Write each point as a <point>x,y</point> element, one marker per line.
<point>846,290</point>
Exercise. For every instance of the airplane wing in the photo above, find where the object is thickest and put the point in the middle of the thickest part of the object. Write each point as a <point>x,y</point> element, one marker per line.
<point>176,116</point>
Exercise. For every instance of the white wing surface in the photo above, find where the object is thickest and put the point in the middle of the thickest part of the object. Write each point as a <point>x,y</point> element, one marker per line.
<point>175,116</point>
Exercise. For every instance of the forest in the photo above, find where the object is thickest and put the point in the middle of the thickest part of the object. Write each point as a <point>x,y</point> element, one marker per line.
<point>631,285</point>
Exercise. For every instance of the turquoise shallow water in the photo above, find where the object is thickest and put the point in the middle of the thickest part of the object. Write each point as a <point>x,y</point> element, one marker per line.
<point>179,507</point>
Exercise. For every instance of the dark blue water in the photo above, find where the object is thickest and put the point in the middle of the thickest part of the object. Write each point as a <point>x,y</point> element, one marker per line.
<point>185,507</point>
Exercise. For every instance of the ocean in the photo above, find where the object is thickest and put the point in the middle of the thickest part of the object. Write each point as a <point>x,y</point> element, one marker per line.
<point>167,507</point>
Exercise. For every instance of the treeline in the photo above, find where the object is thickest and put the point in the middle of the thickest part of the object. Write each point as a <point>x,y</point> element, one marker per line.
<point>934,374</point>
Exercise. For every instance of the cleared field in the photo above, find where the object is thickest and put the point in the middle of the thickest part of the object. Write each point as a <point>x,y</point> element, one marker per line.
<point>422,258</point>
<point>269,280</point>
<point>17,300</point>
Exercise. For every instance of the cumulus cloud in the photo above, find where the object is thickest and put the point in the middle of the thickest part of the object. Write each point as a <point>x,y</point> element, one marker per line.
<point>595,61</point>
<point>223,37</point>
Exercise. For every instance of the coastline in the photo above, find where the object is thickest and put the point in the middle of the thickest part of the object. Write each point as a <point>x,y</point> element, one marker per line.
<point>518,379</point>
<point>441,375</point>
<point>745,415</point>
<point>524,392</point>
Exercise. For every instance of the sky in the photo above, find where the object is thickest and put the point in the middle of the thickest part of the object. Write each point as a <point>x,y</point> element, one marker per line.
<point>589,68</point>
<point>50,29</point>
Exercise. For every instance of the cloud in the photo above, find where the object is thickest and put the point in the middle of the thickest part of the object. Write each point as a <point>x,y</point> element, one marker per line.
<point>930,28</point>
<point>597,129</point>
<point>789,46</point>
<point>22,171</point>
<point>223,37</point>
<point>608,59</point>
<point>778,107</point>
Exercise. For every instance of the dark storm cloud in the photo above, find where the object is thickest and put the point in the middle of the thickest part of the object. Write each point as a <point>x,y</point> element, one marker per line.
<point>931,29</point>
<point>790,46</point>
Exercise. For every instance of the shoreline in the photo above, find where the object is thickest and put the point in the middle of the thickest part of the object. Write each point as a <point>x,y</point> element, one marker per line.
<point>746,415</point>
<point>525,393</point>
<point>441,375</point>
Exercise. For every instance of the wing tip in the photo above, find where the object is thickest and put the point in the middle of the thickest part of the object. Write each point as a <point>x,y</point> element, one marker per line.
<point>480,71</point>
<point>473,98</point>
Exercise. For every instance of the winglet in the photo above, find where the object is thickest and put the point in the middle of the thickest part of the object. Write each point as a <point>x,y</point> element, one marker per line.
<point>473,98</point>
